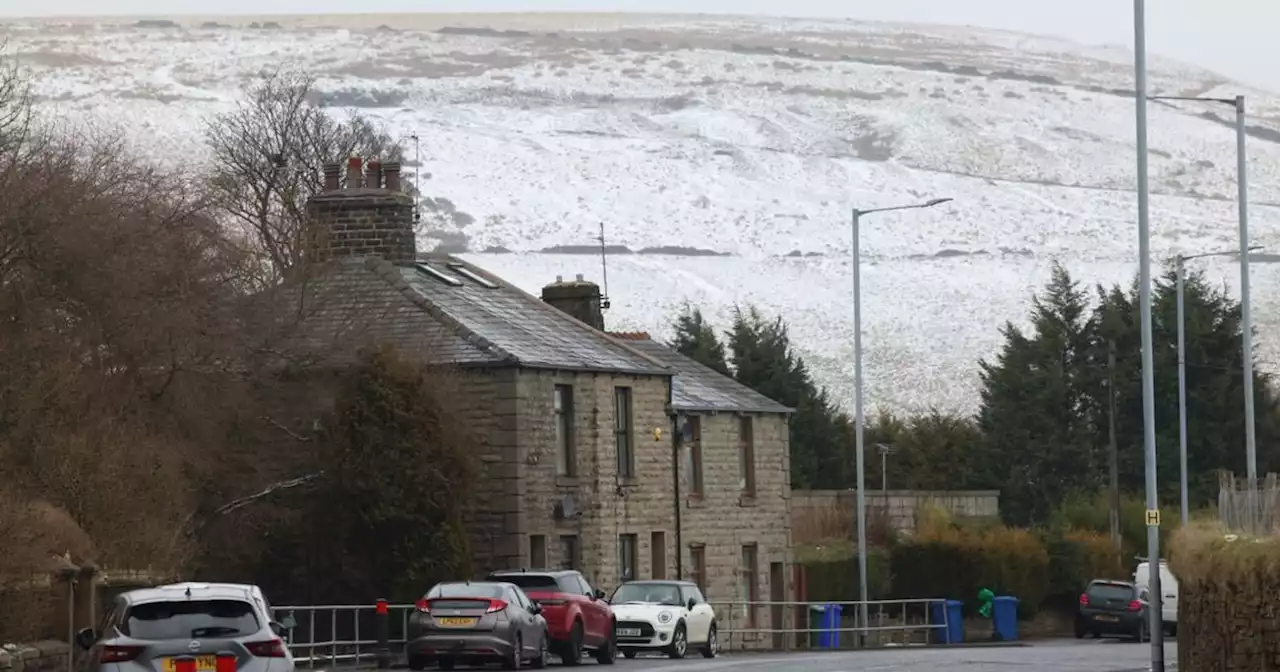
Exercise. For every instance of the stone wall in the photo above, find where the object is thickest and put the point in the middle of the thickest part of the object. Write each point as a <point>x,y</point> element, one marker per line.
<point>818,514</point>
<point>44,656</point>
<point>1228,600</point>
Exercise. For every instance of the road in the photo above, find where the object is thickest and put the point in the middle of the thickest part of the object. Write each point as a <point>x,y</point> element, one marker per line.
<point>1055,656</point>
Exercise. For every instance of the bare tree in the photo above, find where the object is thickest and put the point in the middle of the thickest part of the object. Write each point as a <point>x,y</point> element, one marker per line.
<point>15,106</point>
<point>267,156</point>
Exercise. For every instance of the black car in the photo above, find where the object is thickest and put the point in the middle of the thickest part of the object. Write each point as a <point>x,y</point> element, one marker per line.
<point>474,623</point>
<point>1117,608</point>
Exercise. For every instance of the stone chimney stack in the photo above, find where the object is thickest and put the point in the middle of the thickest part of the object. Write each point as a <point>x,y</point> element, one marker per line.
<point>362,217</point>
<point>579,298</point>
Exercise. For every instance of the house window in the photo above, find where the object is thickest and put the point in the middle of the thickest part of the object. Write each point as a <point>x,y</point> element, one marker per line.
<point>627,557</point>
<point>622,432</point>
<point>698,562</point>
<point>566,451</point>
<point>537,550</point>
<point>697,484</point>
<point>746,456</point>
<point>750,581</point>
<point>658,555</point>
<point>569,552</point>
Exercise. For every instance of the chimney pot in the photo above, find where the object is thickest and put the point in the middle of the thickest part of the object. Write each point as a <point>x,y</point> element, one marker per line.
<point>373,174</point>
<point>391,176</point>
<point>332,175</point>
<point>354,178</point>
<point>559,278</point>
<point>579,278</point>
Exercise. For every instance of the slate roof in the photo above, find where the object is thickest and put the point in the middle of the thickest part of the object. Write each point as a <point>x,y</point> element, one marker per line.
<point>449,310</point>
<point>700,388</point>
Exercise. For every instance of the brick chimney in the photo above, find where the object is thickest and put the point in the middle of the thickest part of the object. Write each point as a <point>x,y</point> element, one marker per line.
<point>579,298</point>
<point>361,217</point>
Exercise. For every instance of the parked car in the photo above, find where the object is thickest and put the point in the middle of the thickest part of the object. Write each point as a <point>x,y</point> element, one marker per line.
<point>1113,608</point>
<point>1168,591</point>
<point>577,615</point>
<point>474,623</point>
<point>666,616</point>
<point>149,629</point>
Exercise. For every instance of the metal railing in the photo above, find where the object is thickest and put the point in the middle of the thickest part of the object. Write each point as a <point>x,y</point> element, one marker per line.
<point>329,635</point>
<point>332,634</point>
<point>808,625</point>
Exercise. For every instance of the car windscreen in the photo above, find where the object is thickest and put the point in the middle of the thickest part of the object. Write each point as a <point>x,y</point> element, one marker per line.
<point>1109,591</point>
<point>477,591</point>
<point>538,583</point>
<point>190,619</point>
<point>648,593</point>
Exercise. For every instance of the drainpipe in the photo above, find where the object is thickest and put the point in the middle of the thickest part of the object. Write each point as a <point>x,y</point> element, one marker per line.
<point>675,483</point>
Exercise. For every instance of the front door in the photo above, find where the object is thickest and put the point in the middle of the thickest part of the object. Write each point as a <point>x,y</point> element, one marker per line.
<point>777,595</point>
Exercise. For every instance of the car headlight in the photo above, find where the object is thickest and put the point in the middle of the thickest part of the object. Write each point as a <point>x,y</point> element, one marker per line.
<point>664,617</point>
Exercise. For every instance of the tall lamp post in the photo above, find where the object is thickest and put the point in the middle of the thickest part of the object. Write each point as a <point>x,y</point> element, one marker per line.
<point>1180,265</point>
<point>857,400</point>
<point>1156,627</point>
<point>1246,311</point>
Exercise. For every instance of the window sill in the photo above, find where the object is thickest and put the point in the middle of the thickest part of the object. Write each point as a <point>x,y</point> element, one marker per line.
<point>694,502</point>
<point>747,500</point>
<point>628,481</point>
<point>568,481</point>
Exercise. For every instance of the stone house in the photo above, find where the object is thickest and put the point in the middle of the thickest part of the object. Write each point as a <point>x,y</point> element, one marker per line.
<point>577,427</point>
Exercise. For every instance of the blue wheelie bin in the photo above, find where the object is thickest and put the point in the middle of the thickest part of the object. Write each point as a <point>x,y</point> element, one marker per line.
<point>829,619</point>
<point>948,613</point>
<point>1004,618</point>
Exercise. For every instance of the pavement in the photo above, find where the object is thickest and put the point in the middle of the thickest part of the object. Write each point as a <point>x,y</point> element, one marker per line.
<point>1065,655</point>
<point>1041,656</point>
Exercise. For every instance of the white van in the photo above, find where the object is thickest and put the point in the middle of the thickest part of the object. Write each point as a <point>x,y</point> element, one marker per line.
<point>1168,586</point>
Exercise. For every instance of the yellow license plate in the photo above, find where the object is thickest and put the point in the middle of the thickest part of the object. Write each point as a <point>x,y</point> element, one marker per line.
<point>456,622</point>
<point>203,664</point>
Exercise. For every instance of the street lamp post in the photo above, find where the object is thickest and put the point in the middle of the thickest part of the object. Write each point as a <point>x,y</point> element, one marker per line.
<point>860,459</point>
<point>1156,627</point>
<point>1246,311</point>
<point>1180,266</point>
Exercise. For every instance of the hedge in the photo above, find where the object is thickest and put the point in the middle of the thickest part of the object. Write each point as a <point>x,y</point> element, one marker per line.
<point>957,563</point>
<point>831,571</point>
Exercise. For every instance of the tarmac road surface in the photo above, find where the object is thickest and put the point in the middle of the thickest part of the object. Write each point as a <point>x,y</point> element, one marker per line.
<point>1049,656</point>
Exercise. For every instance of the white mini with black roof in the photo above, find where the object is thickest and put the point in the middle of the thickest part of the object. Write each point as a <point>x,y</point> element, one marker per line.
<point>670,617</point>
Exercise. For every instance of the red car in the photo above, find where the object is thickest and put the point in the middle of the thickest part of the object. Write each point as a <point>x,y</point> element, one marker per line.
<point>578,617</point>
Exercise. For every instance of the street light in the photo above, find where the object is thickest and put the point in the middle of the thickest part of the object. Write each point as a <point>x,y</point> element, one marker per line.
<point>857,399</point>
<point>1246,312</point>
<point>1182,372</point>
<point>1144,314</point>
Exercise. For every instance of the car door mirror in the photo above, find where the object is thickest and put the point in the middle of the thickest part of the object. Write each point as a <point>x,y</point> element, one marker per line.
<point>535,608</point>
<point>597,594</point>
<point>692,603</point>
<point>85,638</point>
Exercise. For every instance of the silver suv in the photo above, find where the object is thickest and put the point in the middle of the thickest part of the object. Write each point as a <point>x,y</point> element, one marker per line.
<point>153,629</point>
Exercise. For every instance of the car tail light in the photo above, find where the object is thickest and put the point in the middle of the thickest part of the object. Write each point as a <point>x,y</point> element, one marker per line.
<point>272,648</point>
<point>421,605</point>
<point>226,662</point>
<point>1084,600</point>
<point>496,606</point>
<point>1135,606</point>
<point>118,654</point>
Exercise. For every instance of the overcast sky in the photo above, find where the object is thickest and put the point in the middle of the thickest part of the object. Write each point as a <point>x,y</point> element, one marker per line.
<point>1235,37</point>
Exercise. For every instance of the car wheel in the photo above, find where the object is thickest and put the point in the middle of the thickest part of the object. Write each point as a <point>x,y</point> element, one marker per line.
<point>679,643</point>
<point>417,663</point>
<point>712,647</point>
<point>571,652</point>
<point>607,652</point>
<point>628,654</point>
<point>446,663</point>
<point>540,661</point>
<point>517,655</point>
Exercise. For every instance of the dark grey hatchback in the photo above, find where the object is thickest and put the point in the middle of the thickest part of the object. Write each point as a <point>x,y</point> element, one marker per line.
<point>1113,608</point>
<point>474,623</point>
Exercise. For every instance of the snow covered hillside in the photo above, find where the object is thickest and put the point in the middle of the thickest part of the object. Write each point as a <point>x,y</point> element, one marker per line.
<point>725,154</point>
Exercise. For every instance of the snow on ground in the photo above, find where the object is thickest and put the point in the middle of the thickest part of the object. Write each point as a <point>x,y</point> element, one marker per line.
<point>752,138</point>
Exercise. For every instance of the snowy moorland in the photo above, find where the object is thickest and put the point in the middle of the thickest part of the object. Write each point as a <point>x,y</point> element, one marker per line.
<point>724,155</point>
